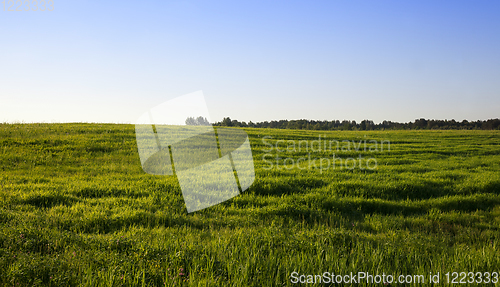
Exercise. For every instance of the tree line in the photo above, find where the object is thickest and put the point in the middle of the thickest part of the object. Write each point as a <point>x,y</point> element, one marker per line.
<point>491,124</point>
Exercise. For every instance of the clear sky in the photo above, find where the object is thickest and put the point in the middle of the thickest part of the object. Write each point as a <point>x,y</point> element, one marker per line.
<point>110,61</point>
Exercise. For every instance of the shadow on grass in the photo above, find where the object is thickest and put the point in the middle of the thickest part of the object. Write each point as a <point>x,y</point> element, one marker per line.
<point>98,192</point>
<point>286,187</point>
<point>407,208</point>
<point>48,201</point>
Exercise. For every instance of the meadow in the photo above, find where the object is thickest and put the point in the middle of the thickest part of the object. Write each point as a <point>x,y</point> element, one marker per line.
<point>76,209</point>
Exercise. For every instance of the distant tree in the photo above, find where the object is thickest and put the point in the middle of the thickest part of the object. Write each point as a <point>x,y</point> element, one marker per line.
<point>362,126</point>
<point>190,121</point>
<point>421,123</point>
<point>226,122</point>
<point>202,121</point>
<point>346,125</point>
<point>199,121</point>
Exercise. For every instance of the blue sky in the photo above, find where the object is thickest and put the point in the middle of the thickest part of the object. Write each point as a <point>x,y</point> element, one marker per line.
<point>105,61</point>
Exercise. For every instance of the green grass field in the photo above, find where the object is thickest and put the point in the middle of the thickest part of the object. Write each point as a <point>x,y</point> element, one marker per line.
<point>77,210</point>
